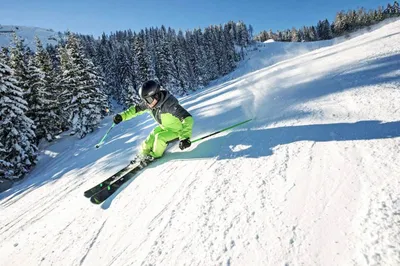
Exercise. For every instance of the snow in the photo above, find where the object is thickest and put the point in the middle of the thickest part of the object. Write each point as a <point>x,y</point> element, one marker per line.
<point>312,180</point>
<point>269,41</point>
<point>47,36</point>
<point>267,54</point>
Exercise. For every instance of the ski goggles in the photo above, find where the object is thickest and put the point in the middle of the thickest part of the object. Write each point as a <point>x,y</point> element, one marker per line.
<point>149,99</point>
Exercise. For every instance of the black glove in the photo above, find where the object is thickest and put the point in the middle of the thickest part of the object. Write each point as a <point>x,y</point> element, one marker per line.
<point>117,119</point>
<point>185,143</point>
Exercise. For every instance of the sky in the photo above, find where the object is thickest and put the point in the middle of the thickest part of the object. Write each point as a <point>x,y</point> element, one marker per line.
<point>97,16</point>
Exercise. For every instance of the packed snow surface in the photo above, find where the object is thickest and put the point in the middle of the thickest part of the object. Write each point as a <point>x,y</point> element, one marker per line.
<point>312,180</point>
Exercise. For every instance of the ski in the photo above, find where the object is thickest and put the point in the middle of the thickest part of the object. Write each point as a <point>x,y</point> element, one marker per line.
<point>97,188</point>
<point>107,182</point>
<point>108,190</point>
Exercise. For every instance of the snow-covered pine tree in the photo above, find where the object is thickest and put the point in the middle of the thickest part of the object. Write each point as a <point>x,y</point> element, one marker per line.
<point>142,66</point>
<point>328,29</point>
<point>266,36</point>
<point>391,10</point>
<point>104,59</point>
<point>82,97</point>
<point>17,136</point>
<point>271,35</point>
<point>36,98</point>
<point>232,31</point>
<point>295,36</point>
<point>111,68</point>
<point>243,36</point>
<point>49,117</point>
<point>18,62</point>
<point>361,18</point>
<point>62,85</point>
<point>324,30</point>
<point>149,40</point>
<point>286,36</point>
<point>251,32</point>
<point>227,49</point>
<point>163,57</point>
<point>320,30</point>
<point>313,34</point>
<point>53,55</point>
<point>230,51</point>
<point>88,44</point>
<point>185,69</point>
<point>279,36</point>
<point>220,55</point>
<point>135,63</point>
<point>4,55</point>
<point>179,76</point>
<point>133,87</point>
<point>340,25</point>
<point>192,58</point>
<point>42,58</point>
<point>303,34</point>
<point>351,19</point>
<point>379,14</point>
<point>211,64</point>
<point>156,40</point>
<point>260,37</point>
<point>200,69</point>
<point>396,8</point>
<point>121,67</point>
<point>41,103</point>
<point>373,17</point>
<point>124,72</point>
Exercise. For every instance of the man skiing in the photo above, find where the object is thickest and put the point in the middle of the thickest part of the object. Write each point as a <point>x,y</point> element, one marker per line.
<point>174,122</point>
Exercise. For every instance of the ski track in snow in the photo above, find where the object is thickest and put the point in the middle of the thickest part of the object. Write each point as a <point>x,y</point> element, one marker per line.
<point>313,180</point>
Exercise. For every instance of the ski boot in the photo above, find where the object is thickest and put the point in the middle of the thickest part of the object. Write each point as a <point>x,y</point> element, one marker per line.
<point>143,160</point>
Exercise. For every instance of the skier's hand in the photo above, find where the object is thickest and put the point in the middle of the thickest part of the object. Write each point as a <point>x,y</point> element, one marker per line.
<point>185,143</point>
<point>117,119</point>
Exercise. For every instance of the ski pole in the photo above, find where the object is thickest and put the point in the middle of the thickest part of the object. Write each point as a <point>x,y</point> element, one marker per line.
<point>225,129</point>
<point>102,140</point>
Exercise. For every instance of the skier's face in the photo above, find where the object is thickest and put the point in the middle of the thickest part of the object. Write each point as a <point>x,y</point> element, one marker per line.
<point>152,104</point>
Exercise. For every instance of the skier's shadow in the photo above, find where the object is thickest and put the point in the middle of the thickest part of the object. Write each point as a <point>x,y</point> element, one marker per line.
<point>248,143</point>
<point>257,143</point>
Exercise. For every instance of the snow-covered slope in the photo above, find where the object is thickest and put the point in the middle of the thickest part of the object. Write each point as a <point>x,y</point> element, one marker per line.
<point>313,180</point>
<point>28,34</point>
<point>266,54</point>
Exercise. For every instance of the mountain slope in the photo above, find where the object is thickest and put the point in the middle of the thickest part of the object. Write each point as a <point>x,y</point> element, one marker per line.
<point>313,180</point>
<point>28,34</point>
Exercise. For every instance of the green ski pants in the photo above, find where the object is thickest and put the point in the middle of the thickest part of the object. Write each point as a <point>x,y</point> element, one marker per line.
<point>156,143</point>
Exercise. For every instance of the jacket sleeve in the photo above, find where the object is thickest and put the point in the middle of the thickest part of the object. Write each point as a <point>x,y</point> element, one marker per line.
<point>187,126</point>
<point>133,111</point>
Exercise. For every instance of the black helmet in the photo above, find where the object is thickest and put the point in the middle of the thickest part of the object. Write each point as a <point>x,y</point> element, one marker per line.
<point>149,91</point>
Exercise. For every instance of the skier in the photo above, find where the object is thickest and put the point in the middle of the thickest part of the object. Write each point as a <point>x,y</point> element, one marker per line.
<point>174,122</point>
